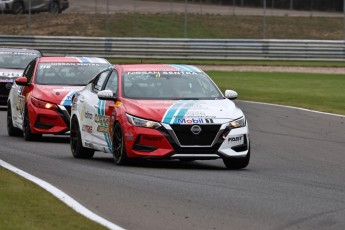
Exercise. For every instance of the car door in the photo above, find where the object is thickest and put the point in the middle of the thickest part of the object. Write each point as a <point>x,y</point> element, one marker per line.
<point>90,116</point>
<point>107,113</point>
<point>19,94</point>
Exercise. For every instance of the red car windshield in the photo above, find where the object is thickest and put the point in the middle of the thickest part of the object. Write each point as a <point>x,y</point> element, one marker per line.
<point>67,73</point>
<point>169,85</point>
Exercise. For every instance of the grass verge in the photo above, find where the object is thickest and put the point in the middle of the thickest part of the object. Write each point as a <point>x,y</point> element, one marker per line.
<point>24,205</point>
<point>322,92</point>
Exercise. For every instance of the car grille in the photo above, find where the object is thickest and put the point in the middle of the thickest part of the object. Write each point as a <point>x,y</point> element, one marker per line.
<point>204,138</point>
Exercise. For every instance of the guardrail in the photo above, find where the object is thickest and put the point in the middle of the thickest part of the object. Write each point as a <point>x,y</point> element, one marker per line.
<point>176,48</point>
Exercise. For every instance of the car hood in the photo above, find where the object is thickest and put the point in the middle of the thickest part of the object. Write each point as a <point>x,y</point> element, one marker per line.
<point>55,94</point>
<point>8,75</point>
<point>184,111</point>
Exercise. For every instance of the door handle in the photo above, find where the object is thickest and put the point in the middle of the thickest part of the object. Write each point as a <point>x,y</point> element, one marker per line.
<point>96,106</point>
<point>82,100</point>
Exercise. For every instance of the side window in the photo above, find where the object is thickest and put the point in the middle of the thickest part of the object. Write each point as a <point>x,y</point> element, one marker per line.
<point>29,71</point>
<point>98,81</point>
<point>112,82</point>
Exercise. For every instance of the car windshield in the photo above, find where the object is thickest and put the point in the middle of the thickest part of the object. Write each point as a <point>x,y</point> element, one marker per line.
<point>67,73</point>
<point>169,85</point>
<point>16,60</point>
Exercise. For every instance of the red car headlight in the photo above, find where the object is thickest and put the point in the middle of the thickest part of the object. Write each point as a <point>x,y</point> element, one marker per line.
<point>43,104</point>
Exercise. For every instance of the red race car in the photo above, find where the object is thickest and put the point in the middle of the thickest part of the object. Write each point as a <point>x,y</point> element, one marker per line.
<point>161,112</point>
<point>40,101</point>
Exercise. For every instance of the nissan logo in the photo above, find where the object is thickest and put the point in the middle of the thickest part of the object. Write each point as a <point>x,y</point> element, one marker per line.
<point>196,129</point>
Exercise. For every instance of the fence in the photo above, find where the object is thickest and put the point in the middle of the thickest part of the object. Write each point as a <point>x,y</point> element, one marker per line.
<point>188,49</point>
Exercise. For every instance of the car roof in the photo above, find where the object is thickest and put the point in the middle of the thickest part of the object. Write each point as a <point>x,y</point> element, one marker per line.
<point>20,50</point>
<point>73,59</point>
<point>159,67</point>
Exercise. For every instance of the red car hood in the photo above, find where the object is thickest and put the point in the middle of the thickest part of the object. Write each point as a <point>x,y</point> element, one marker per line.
<point>184,111</point>
<point>8,75</point>
<point>57,94</point>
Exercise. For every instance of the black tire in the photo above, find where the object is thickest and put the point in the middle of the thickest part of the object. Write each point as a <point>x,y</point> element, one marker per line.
<point>78,151</point>
<point>119,150</point>
<point>18,7</point>
<point>28,135</point>
<point>54,8</point>
<point>11,130</point>
<point>237,162</point>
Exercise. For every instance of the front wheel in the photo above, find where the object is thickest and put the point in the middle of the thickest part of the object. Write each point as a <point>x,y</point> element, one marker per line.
<point>237,163</point>
<point>119,150</point>
<point>28,135</point>
<point>78,151</point>
<point>11,130</point>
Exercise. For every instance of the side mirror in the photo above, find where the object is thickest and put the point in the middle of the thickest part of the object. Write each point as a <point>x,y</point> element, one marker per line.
<point>231,94</point>
<point>22,81</point>
<point>107,95</point>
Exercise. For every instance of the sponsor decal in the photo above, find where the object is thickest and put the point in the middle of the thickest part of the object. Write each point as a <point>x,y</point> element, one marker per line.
<point>48,66</point>
<point>67,89</point>
<point>89,145</point>
<point>146,138</point>
<point>9,74</point>
<point>87,128</point>
<point>18,53</point>
<point>88,115</point>
<point>103,119</point>
<point>103,129</point>
<point>236,140</point>
<point>194,121</point>
<point>158,74</point>
<point>48,118</point>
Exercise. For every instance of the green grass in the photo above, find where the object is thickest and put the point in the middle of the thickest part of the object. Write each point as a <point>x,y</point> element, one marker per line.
<point>24,205</point>
<point>322,92</point>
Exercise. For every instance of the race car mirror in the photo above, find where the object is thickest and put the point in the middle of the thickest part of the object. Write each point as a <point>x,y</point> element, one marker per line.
<point>231,94</point>
<point>107,95</point>
<point>22,81</point>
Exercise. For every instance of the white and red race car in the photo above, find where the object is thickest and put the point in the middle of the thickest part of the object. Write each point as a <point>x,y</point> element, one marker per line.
<point>158,111</point>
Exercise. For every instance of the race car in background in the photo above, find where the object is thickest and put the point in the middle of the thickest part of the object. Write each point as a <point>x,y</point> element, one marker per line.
<point>158,112</point>
<point>12,65</point>
<point>40,101</point>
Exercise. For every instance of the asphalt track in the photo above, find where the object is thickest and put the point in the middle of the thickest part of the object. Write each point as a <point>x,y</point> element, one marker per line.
<point>295,179</point>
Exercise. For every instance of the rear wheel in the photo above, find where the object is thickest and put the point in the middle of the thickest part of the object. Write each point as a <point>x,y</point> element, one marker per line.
<point>28,135</point>
<point>78,151</point>
<point>18,7</point>
<point>119,151</point>
<point>11,130</point>
<point>237,163</point>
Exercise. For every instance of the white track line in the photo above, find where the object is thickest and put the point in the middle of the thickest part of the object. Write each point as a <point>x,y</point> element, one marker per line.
<point>292,107</point>
<point>69,201</point>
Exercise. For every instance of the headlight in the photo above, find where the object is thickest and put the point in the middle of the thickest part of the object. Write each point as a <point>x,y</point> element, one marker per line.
<point>142,122</point>
<point>43,104</point>
<point>238,123</point>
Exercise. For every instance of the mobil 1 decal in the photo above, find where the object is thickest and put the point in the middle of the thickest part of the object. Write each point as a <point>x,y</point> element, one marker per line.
<point>183,112</point>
